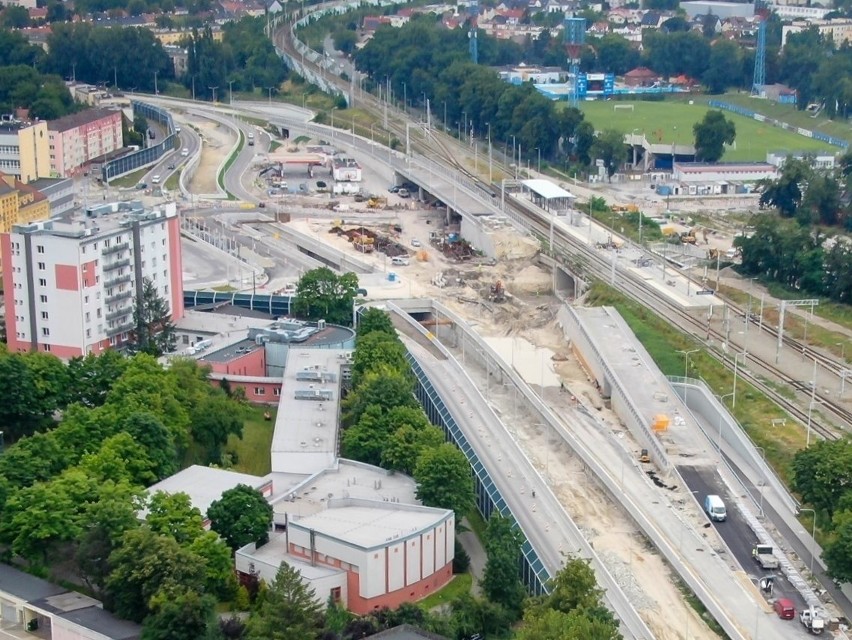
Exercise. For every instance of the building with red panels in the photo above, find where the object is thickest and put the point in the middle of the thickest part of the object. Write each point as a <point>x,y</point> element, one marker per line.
<point>77,138</point>
<point>355,534</point>
<point>71,283</point>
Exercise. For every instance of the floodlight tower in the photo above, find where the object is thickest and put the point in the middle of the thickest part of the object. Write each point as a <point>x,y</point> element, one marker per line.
<point>575,38</point>
<point>473,12</point>
<point>762,13</point>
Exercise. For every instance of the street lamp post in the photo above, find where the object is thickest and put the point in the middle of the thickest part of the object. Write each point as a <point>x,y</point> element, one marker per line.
<point>213,89</point>
<point>736,372</point>
<point>490,175</point>
<point>721,415</point>
<point>686,355</point>
<point>813,537</point>
<point>156,90</point>
<point>230,92</point>
<point>539,158</point>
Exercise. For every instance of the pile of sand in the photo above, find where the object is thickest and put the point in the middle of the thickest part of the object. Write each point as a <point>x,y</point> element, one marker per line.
<point>530,280</point>
<point>510,246</point>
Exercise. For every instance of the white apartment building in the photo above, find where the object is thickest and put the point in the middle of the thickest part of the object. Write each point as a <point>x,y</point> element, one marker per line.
<point>71,284</point>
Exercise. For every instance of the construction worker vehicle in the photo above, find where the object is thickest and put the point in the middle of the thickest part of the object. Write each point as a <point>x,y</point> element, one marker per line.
<point>812,621</point>
<point>762,554</point>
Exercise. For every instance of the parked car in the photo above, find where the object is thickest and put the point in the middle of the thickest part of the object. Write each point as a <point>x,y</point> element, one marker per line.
<point>784,608</point>
<point>393,189</point>
<point>415,243</point>
<point>403,193</point>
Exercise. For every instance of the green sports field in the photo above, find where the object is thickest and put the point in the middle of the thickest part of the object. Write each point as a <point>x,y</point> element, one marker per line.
<point>667,122</point>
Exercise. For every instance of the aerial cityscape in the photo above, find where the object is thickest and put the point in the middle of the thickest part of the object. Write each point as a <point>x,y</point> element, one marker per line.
<point>519,319</point>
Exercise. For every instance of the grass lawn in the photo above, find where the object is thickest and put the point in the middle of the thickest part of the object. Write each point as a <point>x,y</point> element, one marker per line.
<point>671,122</point>
<point>129,180</point>
<point>785,113</point>
<point>459,585</point>
<point>252,451</point>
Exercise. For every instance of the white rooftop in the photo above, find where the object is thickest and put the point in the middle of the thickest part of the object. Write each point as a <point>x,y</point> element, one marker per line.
<point>546,189</point>
<point>205,485</point>
<point>345,479</point>
<point>305,438</point>
<point>275,552</point>
<point>100,220</point>
<point>367,525</point>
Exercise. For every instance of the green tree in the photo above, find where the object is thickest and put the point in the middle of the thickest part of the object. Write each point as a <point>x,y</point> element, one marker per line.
<point>90,377</point>
<point>152,434</point>
<point>321,294</point>
<point>574,589</point>
<point>215,419</point>
<point>143,565</point>
<point>821,204</point>
<point>405,446</point>
<point>609,146</point>
<point>725,58</point>
<point>711,136</point>
<point>172,514</point>
<point>345,40</point>
<point>551,624</point>
<point>373,319</point>
<point>154,331</point>
<point>444,480</point>
<point>220,580</point>
<point>120,458</point>
<point>179,614</point>
<point>501,582</point>
<point>287,611</point>
<point>378,349</point>
<point>383,388</point>
<point>785,193</point>
<point>470,615</point>
<point>822,473</point>
<point>241,516</point>
<point>838,550</point>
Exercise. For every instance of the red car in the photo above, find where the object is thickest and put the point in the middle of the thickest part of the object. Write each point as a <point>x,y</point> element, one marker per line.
<point>785,609</point>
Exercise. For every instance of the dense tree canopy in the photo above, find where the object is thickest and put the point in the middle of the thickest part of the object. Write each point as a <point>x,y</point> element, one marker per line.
<point>711,135</point>
<point>323,295</point>
<point>241,516</point>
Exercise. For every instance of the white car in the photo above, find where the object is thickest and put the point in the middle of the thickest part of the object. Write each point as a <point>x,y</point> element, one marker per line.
<point>185,152</point>
<point>156,179</point>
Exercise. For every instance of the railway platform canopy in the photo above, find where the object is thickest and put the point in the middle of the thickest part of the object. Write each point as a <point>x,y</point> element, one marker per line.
<point>548,196</point>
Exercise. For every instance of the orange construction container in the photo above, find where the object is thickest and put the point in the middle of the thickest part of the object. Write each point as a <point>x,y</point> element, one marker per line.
<point>661,422</point>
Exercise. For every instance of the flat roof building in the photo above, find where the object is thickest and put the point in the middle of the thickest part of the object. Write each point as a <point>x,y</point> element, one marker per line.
<point>25,149</point>
<point>71,284</point>
<point>205,485</point>
<point>305,438</point>
<point>32,607</point>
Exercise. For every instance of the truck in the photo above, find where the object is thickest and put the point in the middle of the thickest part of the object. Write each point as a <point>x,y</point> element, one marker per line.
<point>812,621</point>
<point>762,554</point>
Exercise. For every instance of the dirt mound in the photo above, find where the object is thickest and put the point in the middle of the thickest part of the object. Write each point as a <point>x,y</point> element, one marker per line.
<point>508,245</point>
<point>530,280</point>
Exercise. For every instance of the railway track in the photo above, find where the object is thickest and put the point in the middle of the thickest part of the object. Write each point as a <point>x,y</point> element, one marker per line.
<point>448,150</point>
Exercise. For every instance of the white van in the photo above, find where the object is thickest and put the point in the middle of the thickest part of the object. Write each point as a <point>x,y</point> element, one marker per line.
<point>715,508</point>
<point>185,152</point>
<point>400,261</point>
<point>156,179</point>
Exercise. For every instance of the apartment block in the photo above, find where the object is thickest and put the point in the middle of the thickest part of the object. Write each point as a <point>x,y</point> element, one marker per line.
<point>71,283</point>
<point>80,137</point>
<point>24,149</point>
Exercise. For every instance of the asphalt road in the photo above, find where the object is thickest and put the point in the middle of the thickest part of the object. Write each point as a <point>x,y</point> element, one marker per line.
<point>736,532</point>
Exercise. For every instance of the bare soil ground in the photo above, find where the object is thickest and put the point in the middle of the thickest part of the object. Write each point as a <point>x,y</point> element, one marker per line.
<point>216,142</point>
<point>528,318</point>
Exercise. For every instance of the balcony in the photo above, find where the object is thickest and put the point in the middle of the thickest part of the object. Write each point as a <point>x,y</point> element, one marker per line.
<point>116,248</point>
<point>118,297</point>
<point>127,326</point>
<point>118,264</point>
<point>118,313</point>
<point>109,284</point>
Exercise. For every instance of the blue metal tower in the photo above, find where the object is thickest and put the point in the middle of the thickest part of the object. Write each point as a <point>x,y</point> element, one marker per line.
<point>473,12</point>
<point>575,38</point>
<point>760,54</point>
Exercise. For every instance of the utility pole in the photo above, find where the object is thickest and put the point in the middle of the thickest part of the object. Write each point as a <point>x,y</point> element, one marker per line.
<point>231,92</point>
<point>156,90</point>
